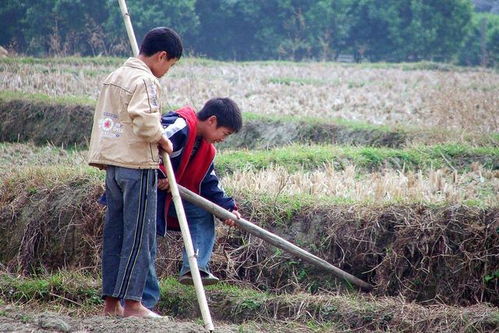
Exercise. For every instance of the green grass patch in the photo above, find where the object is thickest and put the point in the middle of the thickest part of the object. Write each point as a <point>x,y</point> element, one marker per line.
<point>296,158</point>
<point>179,300</point>
<point>68,288</point>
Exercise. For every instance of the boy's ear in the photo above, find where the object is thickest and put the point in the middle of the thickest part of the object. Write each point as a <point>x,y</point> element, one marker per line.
<point>162,55</point>
<point>212,120</point>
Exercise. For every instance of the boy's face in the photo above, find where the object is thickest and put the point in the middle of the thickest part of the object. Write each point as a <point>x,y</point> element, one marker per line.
<point>163,64</point>
<point>214,134</point>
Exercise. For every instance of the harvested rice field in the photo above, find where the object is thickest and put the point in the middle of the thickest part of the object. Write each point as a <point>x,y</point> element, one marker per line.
<point>388,171</point>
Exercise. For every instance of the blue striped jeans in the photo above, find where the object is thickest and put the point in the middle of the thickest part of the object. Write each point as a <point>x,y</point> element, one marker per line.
<point>129,231</point>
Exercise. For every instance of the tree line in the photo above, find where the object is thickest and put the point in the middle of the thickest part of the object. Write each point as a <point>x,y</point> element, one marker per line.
<point>375,30</point>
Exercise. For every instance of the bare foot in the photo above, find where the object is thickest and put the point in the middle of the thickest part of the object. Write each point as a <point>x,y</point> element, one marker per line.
<point>136,309</point>
<point>112,307</point>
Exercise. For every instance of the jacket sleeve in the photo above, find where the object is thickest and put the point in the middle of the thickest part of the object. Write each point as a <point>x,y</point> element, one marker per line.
<point>144,110</point>
<point>212,190</point>
<point>174,128</point>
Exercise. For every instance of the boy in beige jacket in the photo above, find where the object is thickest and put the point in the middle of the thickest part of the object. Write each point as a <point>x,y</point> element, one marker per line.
<point>125,138</point>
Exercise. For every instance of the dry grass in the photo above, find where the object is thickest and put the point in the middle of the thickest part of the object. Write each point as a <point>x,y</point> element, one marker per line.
<point>465,100</point>
<point>365,314</point>
<point>441,185</point>
<point>53,79</point>
<point>454,105</point>
<point>59,213</point>
<point>20,155</point>
<point>480,185</point>
<point>428,254</point>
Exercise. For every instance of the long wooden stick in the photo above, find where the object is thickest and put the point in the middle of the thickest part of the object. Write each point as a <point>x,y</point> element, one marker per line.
<point>270,237</point>
<point>189,248</point>
<point>179,208</point>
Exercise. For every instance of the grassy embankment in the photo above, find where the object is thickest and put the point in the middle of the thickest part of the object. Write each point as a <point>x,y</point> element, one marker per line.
<point>77,294</point>
<point>373,236</point>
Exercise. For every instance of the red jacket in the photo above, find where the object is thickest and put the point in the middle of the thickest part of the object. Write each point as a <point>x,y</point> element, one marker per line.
<point>191,171</point>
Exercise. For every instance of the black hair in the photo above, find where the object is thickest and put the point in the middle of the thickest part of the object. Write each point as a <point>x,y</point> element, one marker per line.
<point>162,39</point>
<point>227,113</point>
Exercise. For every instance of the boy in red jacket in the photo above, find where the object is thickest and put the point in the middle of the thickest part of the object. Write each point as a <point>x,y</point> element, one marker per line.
<point>193,137</point>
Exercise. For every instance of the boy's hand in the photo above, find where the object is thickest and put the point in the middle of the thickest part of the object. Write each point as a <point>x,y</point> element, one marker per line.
<point>163,184</point>
<point>231,222</point>
<point>165,144</point>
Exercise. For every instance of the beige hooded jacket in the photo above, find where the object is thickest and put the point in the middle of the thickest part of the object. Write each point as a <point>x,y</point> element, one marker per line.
<point>127,125</point>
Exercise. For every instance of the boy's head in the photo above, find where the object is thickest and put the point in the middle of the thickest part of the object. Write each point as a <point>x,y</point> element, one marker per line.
<point>219,118</point>
<point>160,49</point>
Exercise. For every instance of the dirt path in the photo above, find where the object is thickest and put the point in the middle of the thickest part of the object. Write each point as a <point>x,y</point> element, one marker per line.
<point>14,319</point>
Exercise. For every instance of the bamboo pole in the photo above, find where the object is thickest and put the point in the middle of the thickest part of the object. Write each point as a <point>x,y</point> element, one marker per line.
<point>270,237</point>
<point>129,28</point>
<point>189,248</point>
<point>179,208</point>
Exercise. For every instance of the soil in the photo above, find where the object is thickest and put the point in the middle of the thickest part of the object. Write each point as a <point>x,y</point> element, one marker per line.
<point>15,319</point>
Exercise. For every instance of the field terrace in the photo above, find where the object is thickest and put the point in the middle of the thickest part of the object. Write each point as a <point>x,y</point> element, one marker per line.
<point>389,171</point>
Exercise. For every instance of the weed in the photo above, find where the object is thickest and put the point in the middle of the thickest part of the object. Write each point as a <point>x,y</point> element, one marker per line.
<point>250,305</point>
<point>24,318</point>
<point>491,276</point>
